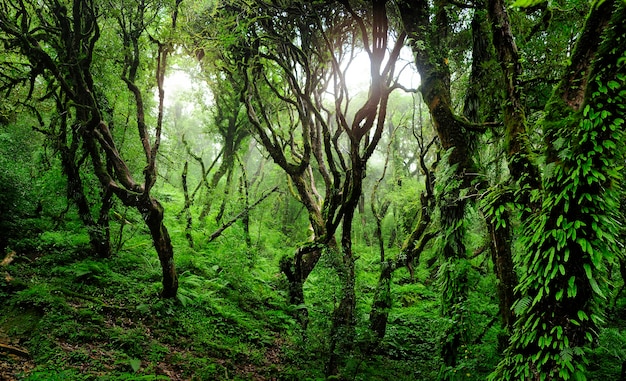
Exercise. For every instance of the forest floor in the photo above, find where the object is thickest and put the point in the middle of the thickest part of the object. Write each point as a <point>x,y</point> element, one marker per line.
<point>78,331</point>
<point>14,360</point>
<point>68,316</point>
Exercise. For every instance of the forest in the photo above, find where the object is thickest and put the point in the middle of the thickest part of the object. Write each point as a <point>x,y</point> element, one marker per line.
<point>312,190</point>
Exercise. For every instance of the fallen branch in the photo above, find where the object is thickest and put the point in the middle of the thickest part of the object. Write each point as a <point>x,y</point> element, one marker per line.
<point>8,259</point>
<point>14,350</point>
<point>219,231</point>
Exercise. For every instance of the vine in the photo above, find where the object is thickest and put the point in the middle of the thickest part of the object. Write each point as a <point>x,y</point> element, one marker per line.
<point>574,237</point>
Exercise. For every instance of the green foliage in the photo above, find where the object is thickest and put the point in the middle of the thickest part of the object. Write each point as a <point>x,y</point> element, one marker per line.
<point>571,242</point>
<point>527,3</point>
<point>83,318</point>
<point>18,190</point>
<point>605,362</point>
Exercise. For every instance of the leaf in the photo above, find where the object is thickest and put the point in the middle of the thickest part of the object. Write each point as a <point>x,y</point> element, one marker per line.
<point>526,3</point>
<point>613,85</point>
<point>182,298</point>
<point>559,295</point>
<point>572,290</point>
<point>522,305</point>
<point>135,364</point>
<point>587,268</point>
<point>596,288</point>
<point>143,308</point>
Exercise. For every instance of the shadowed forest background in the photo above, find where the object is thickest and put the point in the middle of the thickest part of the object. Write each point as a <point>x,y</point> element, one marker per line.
<point>310,190</point>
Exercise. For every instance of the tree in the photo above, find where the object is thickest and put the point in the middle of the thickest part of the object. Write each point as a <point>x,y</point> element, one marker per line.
<point>60,39</point>
<point>232,126</point>
<point>289,58</point>
<point>64,139</point>
<point>573,237</point>
<point>428,30</point>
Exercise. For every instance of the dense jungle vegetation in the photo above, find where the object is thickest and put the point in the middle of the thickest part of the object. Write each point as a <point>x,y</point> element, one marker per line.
<point>310,190</point>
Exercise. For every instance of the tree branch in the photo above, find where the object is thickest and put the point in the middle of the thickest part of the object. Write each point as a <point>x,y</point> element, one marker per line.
<point>241,214</point>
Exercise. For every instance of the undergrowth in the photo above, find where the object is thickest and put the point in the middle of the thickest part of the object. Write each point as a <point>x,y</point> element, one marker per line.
<point>84,318</point>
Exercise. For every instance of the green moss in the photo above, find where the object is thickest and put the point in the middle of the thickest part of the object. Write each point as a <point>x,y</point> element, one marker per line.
<point>19,322</point>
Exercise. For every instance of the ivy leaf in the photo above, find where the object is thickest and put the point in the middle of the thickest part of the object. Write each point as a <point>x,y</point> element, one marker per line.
<point>587,268</point>
<point>572,290</point>
<point>596,288</point>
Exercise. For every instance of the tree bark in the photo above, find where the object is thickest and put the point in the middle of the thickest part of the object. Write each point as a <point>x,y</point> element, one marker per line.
<point>98,231</point>
<point>478,108</point>
<point>343,322</point>
<point>152,212</point>
<point>504,267</point>
<point>522,169</point>
<point>186,207</point>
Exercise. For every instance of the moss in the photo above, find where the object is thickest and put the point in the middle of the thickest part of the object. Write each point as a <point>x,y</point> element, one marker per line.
<point>19,322</point>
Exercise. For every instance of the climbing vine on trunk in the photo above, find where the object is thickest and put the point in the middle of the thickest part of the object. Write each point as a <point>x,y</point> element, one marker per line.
<point>574,237</point>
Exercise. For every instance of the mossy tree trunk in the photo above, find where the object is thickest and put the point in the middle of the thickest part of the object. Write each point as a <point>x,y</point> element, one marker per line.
<point>98,229</point>
<point>428,29</point>
<point>152,212</point>
<point>574,236</point>
<point>481,106</point>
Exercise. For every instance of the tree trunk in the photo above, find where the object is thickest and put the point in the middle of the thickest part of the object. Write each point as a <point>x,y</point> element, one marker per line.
<point>103,224</point>
<point>575,235</point>
<point>298,267</point>
<point>342,331</point>
<point>229,178</point>
<point>480,105</point>
<point>504,269</point>
<point>152,212</point>
<point>453,133</point>
<point>410,252</point>
<point>382,302</point>
<point>453,272</point>
<point>225,168</point>
<point>99,231</point>
<point>297,270</point>
<point>244,191</point>
<point>186,211</point>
